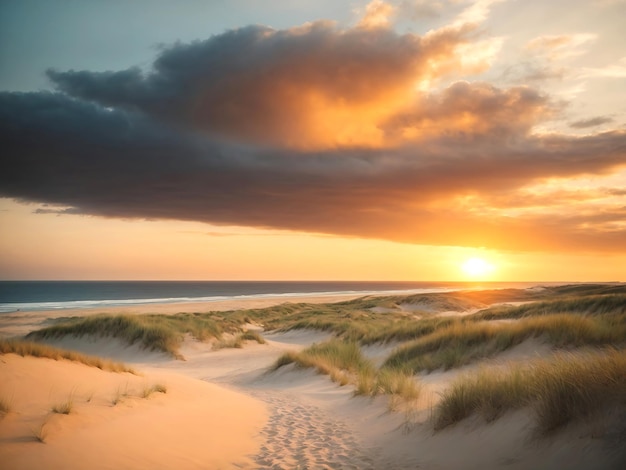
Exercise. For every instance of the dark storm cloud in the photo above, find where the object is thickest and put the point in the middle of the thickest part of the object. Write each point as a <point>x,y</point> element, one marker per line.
<point>260,85</point>
<point>213,134</point>
<point>120,164</point>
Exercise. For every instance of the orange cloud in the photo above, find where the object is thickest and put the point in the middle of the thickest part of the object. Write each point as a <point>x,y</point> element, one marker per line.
<point>377,14</point>
<point>311,87</point>
<point>471,110</point>
<point>317,129</point>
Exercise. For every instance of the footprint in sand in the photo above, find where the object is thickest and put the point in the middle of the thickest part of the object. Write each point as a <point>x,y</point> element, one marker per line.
<point>299,436</point>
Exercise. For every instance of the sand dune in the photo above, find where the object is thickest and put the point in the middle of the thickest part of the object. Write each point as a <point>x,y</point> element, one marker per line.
<point>223,409</point>
<point>194,425</point>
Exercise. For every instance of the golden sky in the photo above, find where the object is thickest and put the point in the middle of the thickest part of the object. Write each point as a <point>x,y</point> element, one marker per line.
<point>380,141</point>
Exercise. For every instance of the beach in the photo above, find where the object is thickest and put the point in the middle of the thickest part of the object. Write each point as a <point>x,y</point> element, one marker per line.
<point>224,408</point>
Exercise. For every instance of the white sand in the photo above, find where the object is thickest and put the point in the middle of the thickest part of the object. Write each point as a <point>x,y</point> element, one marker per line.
<point>223,409</point>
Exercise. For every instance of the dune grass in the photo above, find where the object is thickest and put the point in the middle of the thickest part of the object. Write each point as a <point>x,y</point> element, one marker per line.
<point>344,362</point>
<point>369,320</point>
<point>608,304</point>
<point>589,315</point>
<point>464,342</point>
<point>395,383</point>
<point>152,332</point>
<point>353,321</point>
<point>65,407</point>
<point>156,388</point>
<point>366,320</point>
<point>566,388</point>
<point>349,321</point>
<point>29,348</point>
<point>238,340</point>
<point>120,395</point>
<point>340,360</point>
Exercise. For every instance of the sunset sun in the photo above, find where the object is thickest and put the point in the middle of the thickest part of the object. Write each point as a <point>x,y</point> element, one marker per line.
<point>477,267</point>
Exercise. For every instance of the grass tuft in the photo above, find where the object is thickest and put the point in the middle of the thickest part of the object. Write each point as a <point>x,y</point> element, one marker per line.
<point>29,348</point>
<point>120,395</point>
<point>249,335</point>
<point>463,342</point>
<point>566,388</point>
<point>238,340</point>
<point>607,304</point>
<point>344,363</point>
<point>157,388</point>
<point>152,332</point>
<point>336,358</point>
<point>65,407</point>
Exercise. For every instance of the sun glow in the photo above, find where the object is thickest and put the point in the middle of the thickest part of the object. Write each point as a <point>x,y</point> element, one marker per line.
<point>477,267</point>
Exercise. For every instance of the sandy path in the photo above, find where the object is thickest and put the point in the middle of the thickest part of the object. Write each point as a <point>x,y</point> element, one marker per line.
<point>313,423</point>
<point>301,435</point>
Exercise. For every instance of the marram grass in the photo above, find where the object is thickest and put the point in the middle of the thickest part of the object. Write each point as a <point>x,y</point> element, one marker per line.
<point>156,388</point>
<point>64,407</point>
<point>608,304</point>
<point>152,332</point>
<point>566,388</point>
<point>338,359</point>
<point>239,339</point>
<point>465,342</point>
<point>344,362</point>
<point>29,348</point>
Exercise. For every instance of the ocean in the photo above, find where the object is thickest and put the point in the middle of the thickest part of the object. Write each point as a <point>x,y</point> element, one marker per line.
<point>53,295</point>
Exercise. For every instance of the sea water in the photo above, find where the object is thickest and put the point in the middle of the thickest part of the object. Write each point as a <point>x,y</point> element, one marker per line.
<point>48,295</point>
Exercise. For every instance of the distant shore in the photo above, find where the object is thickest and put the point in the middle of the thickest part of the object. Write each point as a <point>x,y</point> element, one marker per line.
<point>22,322</point>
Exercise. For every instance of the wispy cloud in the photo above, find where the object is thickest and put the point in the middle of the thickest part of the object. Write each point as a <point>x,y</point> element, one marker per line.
<point>591,122</point>
<point>559,47</point>
<point>615,70</point>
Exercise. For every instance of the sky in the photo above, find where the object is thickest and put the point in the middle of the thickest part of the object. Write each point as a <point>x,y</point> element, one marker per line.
<point>303,140</point>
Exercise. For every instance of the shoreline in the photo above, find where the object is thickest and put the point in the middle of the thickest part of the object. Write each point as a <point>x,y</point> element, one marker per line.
<point>20,323</point>
<point>11,302</point>
<point>211,300</point>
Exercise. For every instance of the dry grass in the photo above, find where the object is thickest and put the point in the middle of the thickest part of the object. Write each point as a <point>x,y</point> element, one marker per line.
<point>344,363</point>
<point>388,382</point>
<point>249,335</point>
<point>464,342</point>
<point>120,395</point>
<point>339,359</point>
<point>157,388</point>
<point>29,348</point>
<point>566,388</point>
<point>607,305</point>
<point>152,332</point>
<point>238,340</point>
<point>64,407</point>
